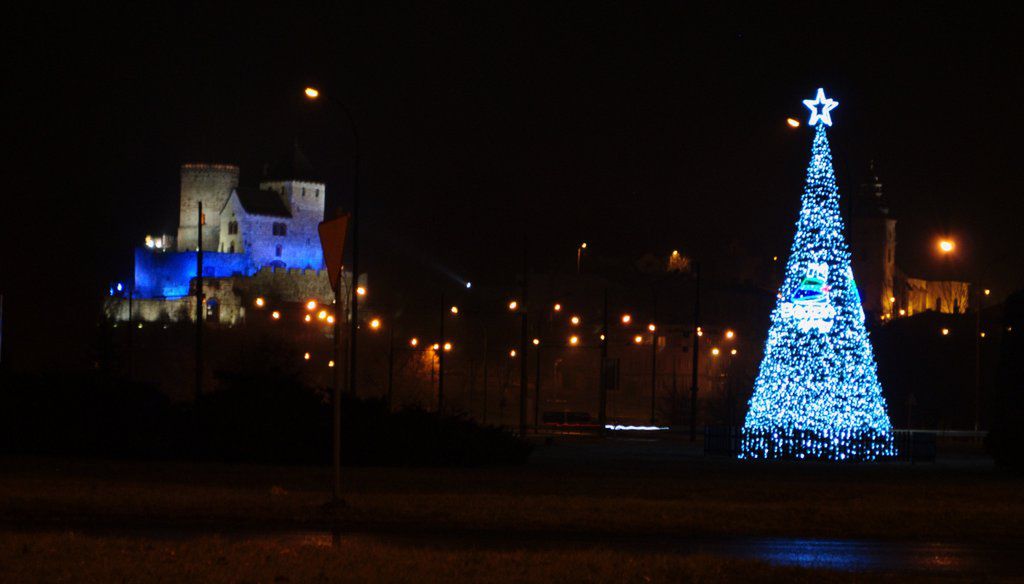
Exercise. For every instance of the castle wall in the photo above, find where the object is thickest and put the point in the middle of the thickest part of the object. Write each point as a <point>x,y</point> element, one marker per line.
<point>168,274</point>
<point>227,297</point>
<point>212,184</point>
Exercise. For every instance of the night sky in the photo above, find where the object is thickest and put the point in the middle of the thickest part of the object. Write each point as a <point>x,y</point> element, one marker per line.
<point>634,128</point>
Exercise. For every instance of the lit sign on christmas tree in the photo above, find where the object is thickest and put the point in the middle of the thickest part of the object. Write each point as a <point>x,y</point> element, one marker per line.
<point>817,393</point>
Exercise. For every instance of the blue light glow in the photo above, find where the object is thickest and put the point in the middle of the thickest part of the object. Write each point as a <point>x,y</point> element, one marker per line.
<point>825,104</point>
<point>817,394</point>
<point>169,274</point>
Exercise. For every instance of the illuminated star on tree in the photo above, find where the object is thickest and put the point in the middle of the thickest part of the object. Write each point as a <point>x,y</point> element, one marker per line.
<point>825,104</point>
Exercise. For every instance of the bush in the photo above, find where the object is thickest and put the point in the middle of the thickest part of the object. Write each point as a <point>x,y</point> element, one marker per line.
<point>266,418</point>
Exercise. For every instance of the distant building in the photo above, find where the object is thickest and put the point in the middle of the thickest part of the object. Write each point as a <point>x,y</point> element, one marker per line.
<point>886,291</point>
<point>257,243</point>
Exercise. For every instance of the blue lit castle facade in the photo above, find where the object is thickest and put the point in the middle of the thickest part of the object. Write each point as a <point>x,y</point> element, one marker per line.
<point>257,242</point>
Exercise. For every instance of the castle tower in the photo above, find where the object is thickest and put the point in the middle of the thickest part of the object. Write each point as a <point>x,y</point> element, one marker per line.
<point>872,239</point>
<point>212,184</point>
<point>301,189</point>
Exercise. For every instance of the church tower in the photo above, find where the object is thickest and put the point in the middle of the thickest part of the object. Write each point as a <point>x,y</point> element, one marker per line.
<point>872,238</point>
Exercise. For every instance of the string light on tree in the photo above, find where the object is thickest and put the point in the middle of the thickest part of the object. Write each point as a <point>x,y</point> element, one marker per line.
<point>817,394</point>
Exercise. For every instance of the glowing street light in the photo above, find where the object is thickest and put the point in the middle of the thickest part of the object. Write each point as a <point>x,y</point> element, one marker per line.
<point>447,347</point>
<point>435,346</point>
<point>413,342</point>
<point>260,302</point>
<point>793,123</point>
<point>945,331</point>
<point>321,315</point>
<point>330,319</point>
<point>733,352</point>
<point>626,319</point>
<point>306,356</point>
<point>275,315</point>
<point>729,334</point>
<point>307,318</point>
<point>361,291</point>
<point>311,305</point>
<point>651,327</point>
<point>558,307</point>
<point>330,363</point>
<point>715,351</point>
<point>375,323</point>
<point>455,309</point>
<point>946,245</point>
<point>536,342</point>
<point>638,339</point>
<point>987,291</point>
<point>512,353</point>
<point>700,332</point>
<point>574,340</point>
<point>512,305</point>
<point>312,92</point>
<point>575,320</point>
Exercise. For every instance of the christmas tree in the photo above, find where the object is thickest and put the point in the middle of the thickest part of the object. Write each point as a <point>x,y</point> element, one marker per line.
<point>817,393</point>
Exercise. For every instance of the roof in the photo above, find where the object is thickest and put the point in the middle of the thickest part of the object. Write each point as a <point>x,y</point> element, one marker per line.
<point>260,202</point>
<point>294,165</point>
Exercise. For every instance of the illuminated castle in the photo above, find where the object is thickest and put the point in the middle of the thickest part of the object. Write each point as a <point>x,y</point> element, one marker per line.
<point>256,242</point>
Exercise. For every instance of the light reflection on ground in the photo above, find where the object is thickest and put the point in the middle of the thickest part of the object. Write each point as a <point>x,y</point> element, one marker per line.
<point>843,555</point>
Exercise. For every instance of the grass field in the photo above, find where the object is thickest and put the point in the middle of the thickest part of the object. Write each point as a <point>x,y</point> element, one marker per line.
<point>78,558</point>
<point>574,492</point>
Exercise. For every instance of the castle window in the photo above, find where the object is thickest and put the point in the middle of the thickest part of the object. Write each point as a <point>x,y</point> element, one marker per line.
<point>277,250</point>
<point>280,229</point>
<point>232,227</point>
<point>303,192</point>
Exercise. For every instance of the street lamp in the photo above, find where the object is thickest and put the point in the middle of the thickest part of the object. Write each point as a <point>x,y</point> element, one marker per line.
<point>579,257</point>
<point>946,245</point>
<point>375,323</point>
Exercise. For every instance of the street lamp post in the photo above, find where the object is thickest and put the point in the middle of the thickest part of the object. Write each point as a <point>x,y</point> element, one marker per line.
<point>313,93</point>
<point>696,352</point>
